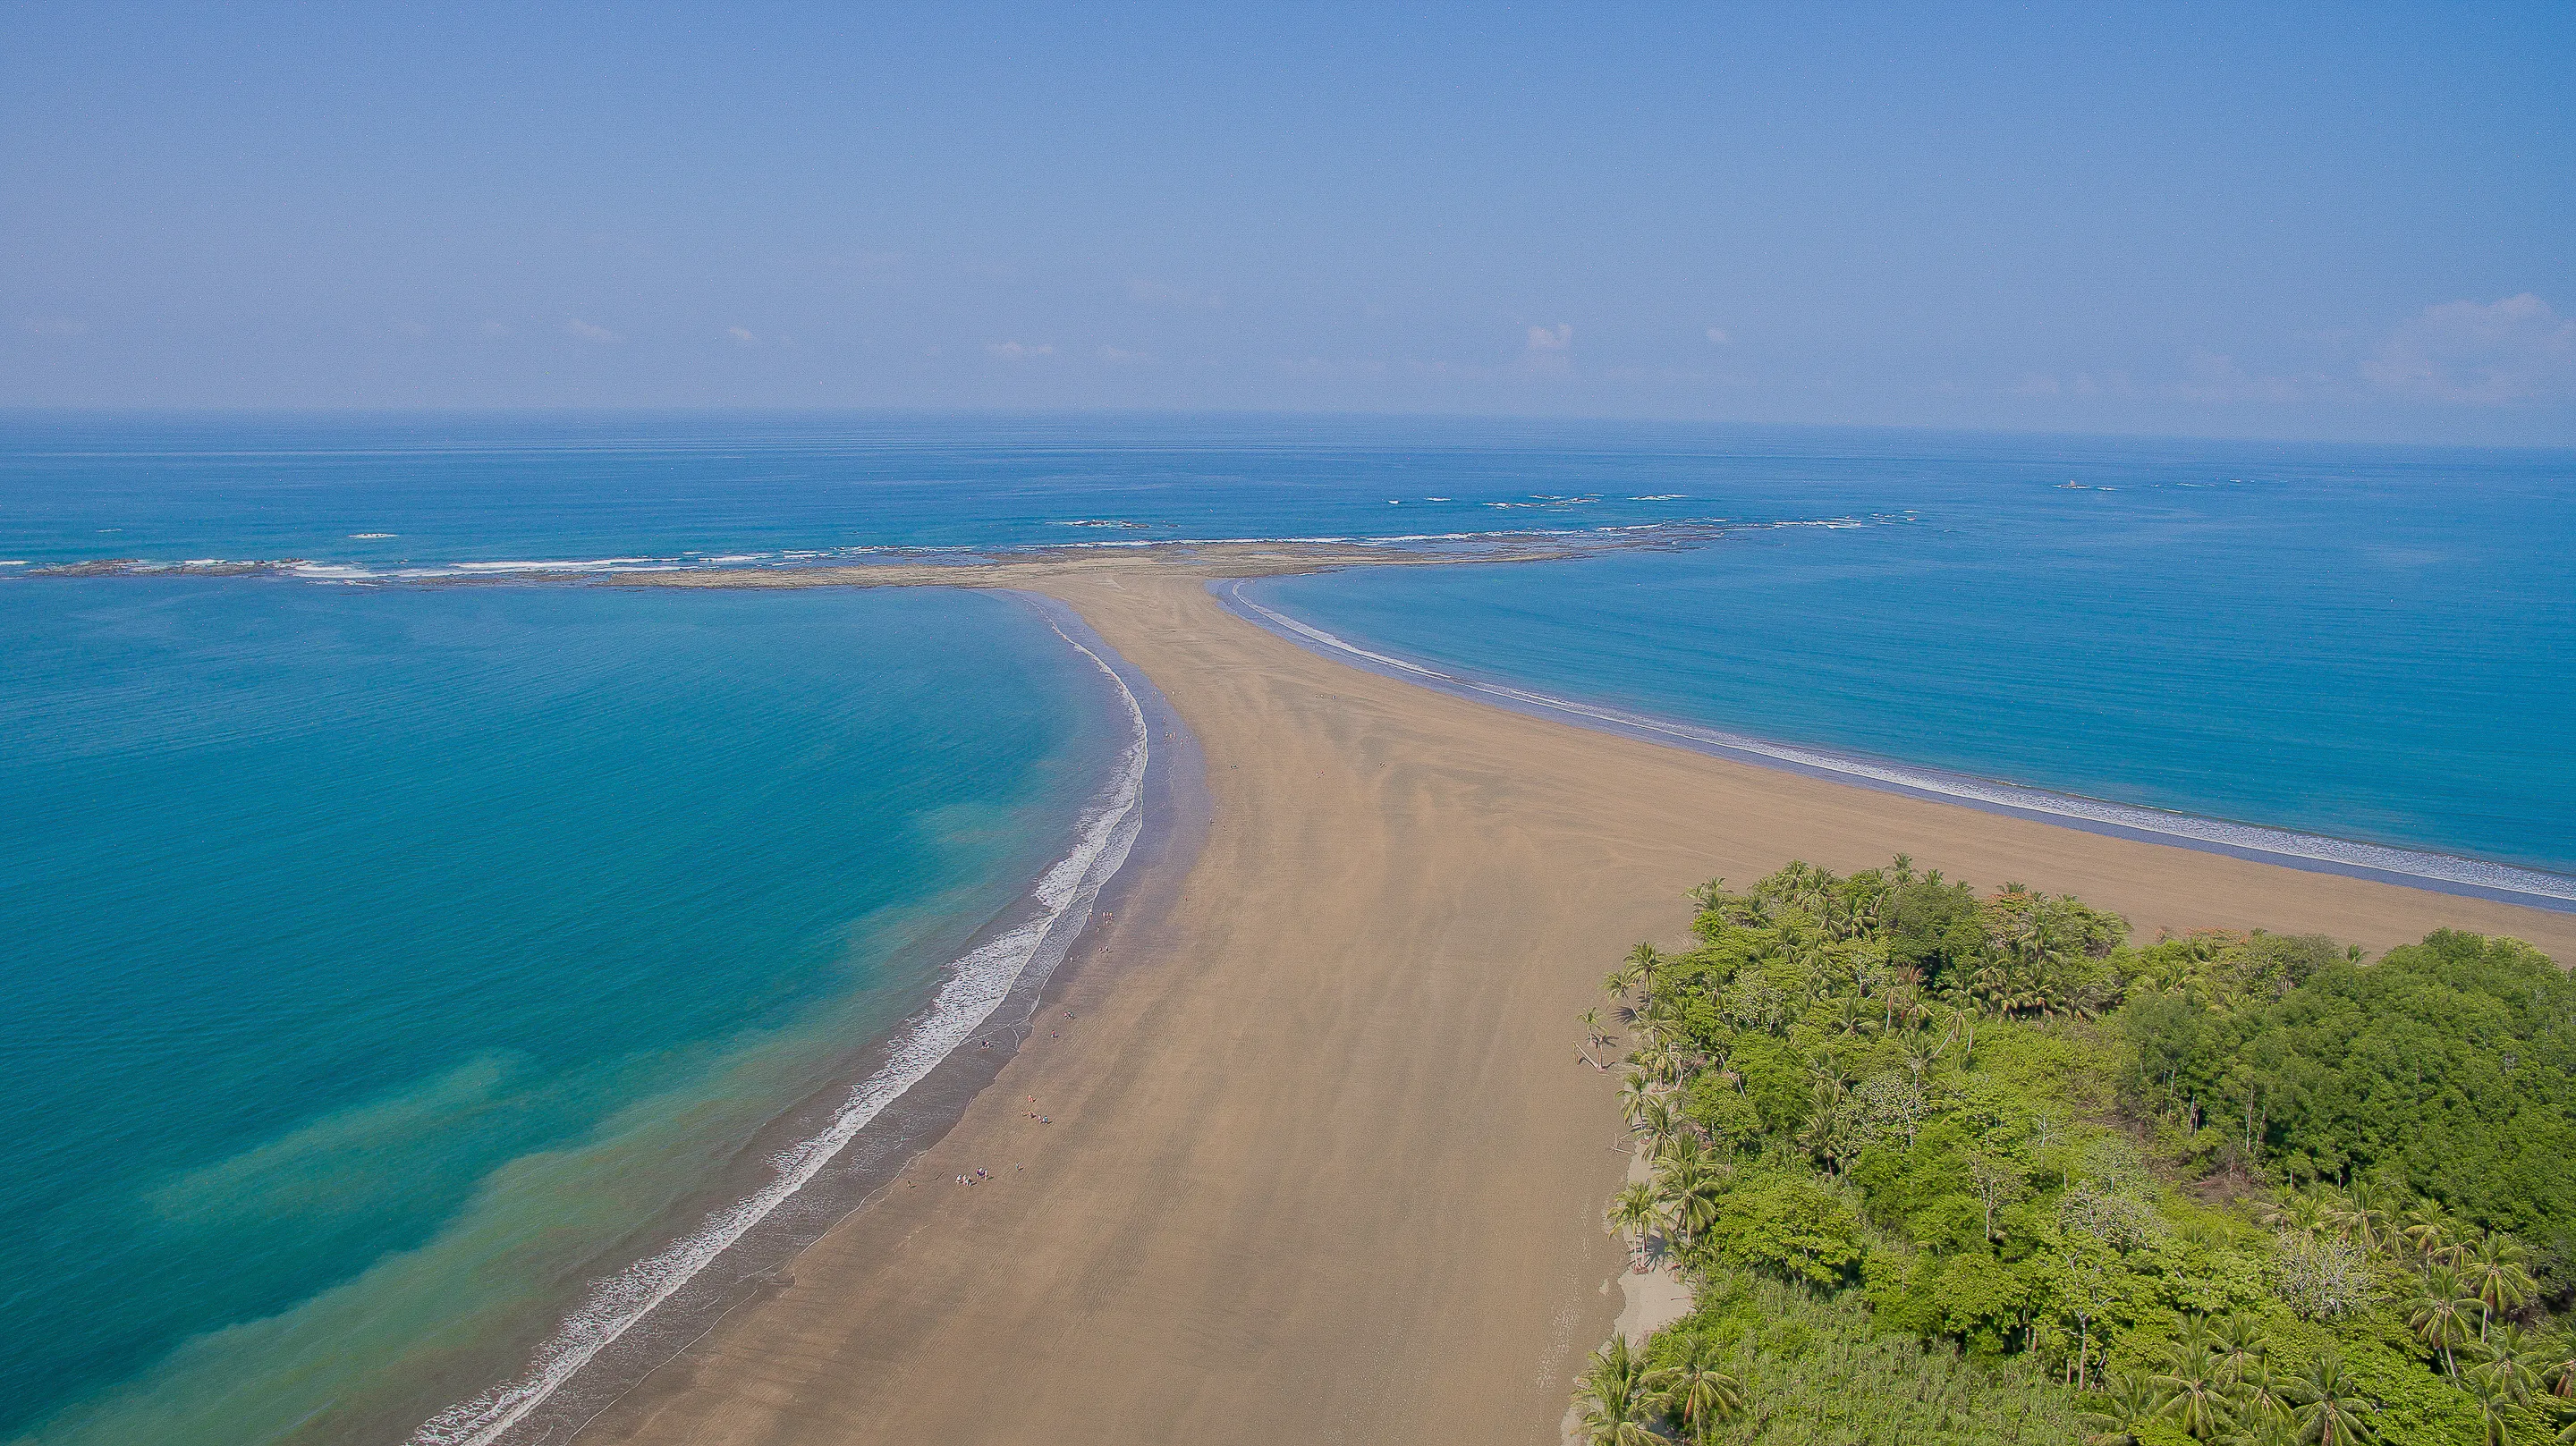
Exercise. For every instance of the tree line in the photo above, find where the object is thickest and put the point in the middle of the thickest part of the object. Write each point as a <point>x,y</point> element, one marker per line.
<point>2032,1181</point>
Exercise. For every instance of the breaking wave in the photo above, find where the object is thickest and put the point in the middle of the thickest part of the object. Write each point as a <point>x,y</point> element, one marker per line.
<point>976,985</point>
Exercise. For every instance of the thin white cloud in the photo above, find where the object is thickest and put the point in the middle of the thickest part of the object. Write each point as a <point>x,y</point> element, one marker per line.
<point>1717,336</point>
<point>1546,354</point>
<point>589,332</point>
<point>1019,350</point>
<point>742,335</point>
<point>2479,354</point>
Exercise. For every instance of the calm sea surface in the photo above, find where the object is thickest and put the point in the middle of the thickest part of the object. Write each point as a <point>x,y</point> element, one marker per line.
<point>379,960</point>
<point>383,958</point>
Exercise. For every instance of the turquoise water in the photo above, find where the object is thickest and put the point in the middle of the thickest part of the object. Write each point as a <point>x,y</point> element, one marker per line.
<point>2369,647</point>
<point>378,961</point>
<point>389,963</point>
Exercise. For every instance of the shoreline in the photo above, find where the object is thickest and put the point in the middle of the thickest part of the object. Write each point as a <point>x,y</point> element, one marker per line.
<point>1322,1166</point>
<point>2462,874</point>
<point>1226,565</point>
<point>538,1404</point>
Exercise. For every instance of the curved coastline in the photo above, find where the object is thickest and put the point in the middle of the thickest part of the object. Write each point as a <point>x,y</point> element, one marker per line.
<point>840,1150</point>
<point>1271,1204</point>
<point>2316,853</point>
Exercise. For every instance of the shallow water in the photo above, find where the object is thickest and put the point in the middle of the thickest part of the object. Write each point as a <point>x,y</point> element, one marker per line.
<point>2365,645</point>
<point>382,960</point>
<point>391,963</point>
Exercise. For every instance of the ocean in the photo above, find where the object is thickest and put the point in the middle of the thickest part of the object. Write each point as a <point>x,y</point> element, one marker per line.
<point>407,978</point>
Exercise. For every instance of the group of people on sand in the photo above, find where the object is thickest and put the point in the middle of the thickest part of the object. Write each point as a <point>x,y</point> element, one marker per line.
<point>1031,1114</point>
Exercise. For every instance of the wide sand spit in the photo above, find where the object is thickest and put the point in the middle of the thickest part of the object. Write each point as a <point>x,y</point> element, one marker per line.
<point>1318,1162</point>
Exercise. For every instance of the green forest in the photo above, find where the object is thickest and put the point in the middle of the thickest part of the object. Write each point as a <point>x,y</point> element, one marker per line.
<point>1952,1166</point>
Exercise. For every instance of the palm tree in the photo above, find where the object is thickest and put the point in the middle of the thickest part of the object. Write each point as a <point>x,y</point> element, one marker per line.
<point>2129,1404</point>
<point>1903,998</point>
<point>1633,1213</point>
<point>1991,983</point>
<point>2302,1213</point>
<point>2270,1431</point>
<point>2362,1217</point>
<point>1695,1390</point>
<point>1690,1190</point>
<point>2558,1373</point>
<point>2239,1343</point>
<point>2492,1267</point>
<point>2195,1392</point>
<point>2331,1404</point>
<point>2262,1397</point>
<point>1618,1409</point>
<point>1594,1037</point>
<point>1656,1122</point>
<point>1619,981</point>
<point>1645,963</point>
<point>2508,1360</point>
<point>2439,1313</point>
<point>2197,1335</point>
<point>1852,1015</point>
<point>1636,1095</point>
<point>1828,1132</point>
<point>2428,1230</point>
<point>1672,1061</point>
<point>2495,1415</point>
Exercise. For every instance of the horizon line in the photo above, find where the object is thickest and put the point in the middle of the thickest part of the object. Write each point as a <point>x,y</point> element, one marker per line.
<point>10,411</point>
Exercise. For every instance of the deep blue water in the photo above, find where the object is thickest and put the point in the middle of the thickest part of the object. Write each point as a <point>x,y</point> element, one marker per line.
<point>379,954</point>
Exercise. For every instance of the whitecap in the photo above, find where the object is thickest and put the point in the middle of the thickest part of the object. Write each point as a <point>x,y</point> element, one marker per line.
<point>547,566</point>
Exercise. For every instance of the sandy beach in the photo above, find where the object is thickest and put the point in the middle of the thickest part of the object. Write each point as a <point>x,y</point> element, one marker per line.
<point>1319,1162</point>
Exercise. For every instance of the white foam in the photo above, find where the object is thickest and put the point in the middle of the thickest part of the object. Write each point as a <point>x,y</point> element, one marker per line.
<point>2182,827</point>
<point>976,986</point>
<point>549,566</point>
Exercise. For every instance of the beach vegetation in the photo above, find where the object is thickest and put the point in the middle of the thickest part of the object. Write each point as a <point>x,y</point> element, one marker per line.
<point>1962,1165</point>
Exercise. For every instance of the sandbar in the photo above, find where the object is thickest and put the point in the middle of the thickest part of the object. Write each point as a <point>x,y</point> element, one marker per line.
<point>1319,1162</point>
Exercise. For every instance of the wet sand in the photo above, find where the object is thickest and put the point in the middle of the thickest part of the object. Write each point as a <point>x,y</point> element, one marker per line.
<point>1322,1163</point>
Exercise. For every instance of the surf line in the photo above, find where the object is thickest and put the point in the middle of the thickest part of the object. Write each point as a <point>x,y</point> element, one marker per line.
<point>2316,853</point>
<point>977,984</point>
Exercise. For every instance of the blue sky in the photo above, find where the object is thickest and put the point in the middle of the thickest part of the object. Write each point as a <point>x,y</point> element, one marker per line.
<point>2240,219</point>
